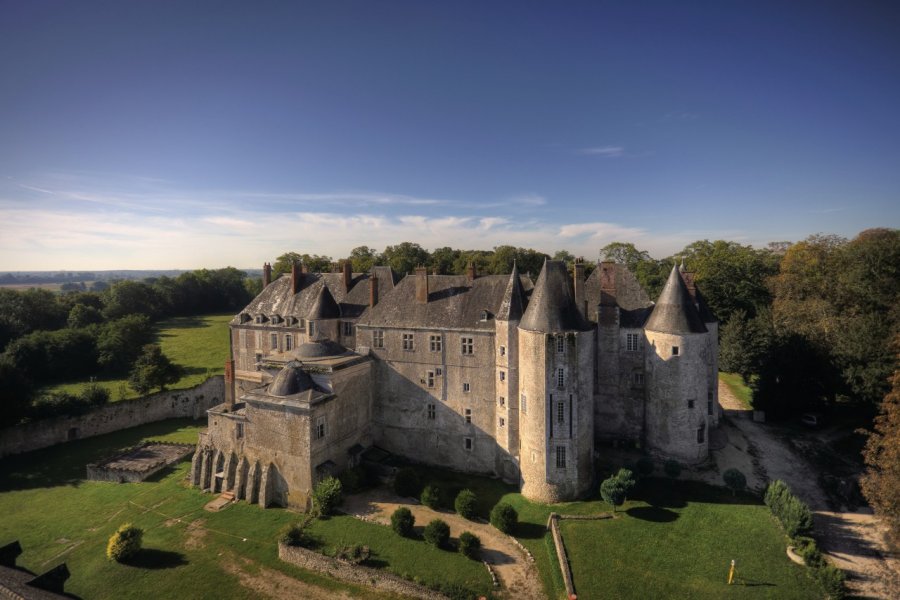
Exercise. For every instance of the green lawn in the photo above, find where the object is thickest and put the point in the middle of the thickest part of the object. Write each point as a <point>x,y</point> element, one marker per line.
<point>198,344</point>
<point>58,516</point>
<point>737,386</point>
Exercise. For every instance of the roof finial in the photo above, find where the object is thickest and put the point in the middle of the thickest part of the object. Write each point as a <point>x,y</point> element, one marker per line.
<point>682,263</point>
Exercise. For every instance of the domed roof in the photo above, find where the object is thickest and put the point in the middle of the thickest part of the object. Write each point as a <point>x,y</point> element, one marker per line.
<point>318,349</point>
<point>290,380</point>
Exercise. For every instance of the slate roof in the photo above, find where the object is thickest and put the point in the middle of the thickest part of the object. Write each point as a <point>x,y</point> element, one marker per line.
<point>634,304</point>
<point>291,380</point>
<point>454,302</point>
<point>513,305</point>
<point>325,306</point>
<point>552,307</point>
<point>675,311</point>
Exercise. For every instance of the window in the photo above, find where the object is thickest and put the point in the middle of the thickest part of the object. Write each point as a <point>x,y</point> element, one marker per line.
<point>560,412</point>
<point>238,430</point>
<point>288,342</point>
<point>524,404</point>
<point>302,324</point>
<point>560,378</point>
<point>502,401</point>
<point>466,387</point>
<point>273,340</point>
<point>690,404</point>
<point>312,328</point>
<point>637,378</point>
<point>438,371</point>
<point>632,342</point>
<point>320,428</point>
<point>378,338</point>
<point>408,342</point>
<point>560,457</point>
<point>468,346</point>
<point>701,434</point>
<point>674,350</point>
<point>467,443</point>
<point>429,379</point>
<point>484,315</point>
<point>435,343</point>
<point>502,422</point>
<point>560,344</point>
<point>502,350</point>
<point>348,328</point>
<point>431,412</point>
<point>502,375</point>
<point>468,414</point>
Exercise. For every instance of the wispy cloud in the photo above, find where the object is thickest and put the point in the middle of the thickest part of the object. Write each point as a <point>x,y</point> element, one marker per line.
<point>604,151</point>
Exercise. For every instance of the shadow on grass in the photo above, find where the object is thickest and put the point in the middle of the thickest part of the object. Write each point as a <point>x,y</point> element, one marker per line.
<point>755,583</point>
<point>530,531</point>
<point>654,514</point>
<point>152,558</point>
<point>669,493</point>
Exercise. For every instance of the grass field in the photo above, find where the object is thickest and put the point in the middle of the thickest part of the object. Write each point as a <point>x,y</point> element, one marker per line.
<point>198,344</point>
<point>737,386</point>
<point>191,553</point>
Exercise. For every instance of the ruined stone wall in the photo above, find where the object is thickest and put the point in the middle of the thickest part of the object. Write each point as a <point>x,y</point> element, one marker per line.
<point>192,403</point>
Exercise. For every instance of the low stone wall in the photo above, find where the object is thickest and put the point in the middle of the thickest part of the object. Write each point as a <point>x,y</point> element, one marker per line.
<point>139,463</point>
<point>190,403</point>
<point>561,555</point>
<point>344,571</point>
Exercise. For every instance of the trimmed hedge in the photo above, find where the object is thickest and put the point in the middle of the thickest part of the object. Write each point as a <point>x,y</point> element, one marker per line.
<point>466,504</point>
<point>402,521</point>
<point>794,515</point>
<point>437,533</point>
<point>124,543</point>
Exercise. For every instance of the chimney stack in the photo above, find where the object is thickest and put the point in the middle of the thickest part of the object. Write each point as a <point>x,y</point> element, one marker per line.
<point>470,271</point>
<point>267,274</point>
<point>373,290</point>
<point>578,277</point>
<point>229,385</point>
<point>347,270</point>
<point>303,268</point>
<point>421,285</point>
<point>607,283</point>
<point>295,277</point>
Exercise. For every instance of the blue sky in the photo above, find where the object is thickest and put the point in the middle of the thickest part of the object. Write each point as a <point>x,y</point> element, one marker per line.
<point>203,134</point>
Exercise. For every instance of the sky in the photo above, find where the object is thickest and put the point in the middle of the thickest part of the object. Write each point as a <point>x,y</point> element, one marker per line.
<point>164,134</point>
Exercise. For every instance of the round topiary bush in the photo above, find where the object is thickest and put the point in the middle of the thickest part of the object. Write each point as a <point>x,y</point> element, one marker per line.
<point>402,521</point>
<point>645,466</point>
<point>466,504</point>
<point>327,496</point>
<point>735,480</point>
<point>124,543</point>
<point>469,545</point>
<point>504,517</point>
<point>672,468</point>
<point>431,497</point>
<point>406,483</point>
<point>437,533</point>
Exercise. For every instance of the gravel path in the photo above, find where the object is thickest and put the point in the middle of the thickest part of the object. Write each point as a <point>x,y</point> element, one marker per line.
<point>518,577</point>
<point>853,540</point>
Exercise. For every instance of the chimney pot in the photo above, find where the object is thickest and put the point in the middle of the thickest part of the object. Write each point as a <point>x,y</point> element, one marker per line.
<point>373,290</point>
<point>267,274</point>
<point>295,277</point>
<point>470,271</point>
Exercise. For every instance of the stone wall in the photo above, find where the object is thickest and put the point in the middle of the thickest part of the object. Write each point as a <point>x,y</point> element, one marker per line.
<point>190,403</point>
<point>365,576</point>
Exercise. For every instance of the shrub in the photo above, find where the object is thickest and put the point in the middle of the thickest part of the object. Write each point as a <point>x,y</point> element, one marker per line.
<point>794,515</point>
<point>612,492</point>
<point>406,483</point>
<point>645,466</point>
<point>776,491</point>
<point>356,554</point>
<point>297,535</point>
<point>832,581</point>
<point>437,533</point>
<point>431,497</point>
<point>402,521</point>
<point>327,496</point>
<point>672,468</point>
<point>152,369</point>
<point>124,543</point>
<point>466,504</point>
<point>354,479</point>
<point>626,480</point>
<point>806,548</point>
<point>735,480</point>
<point>504,517</point>
<point>469,545</point>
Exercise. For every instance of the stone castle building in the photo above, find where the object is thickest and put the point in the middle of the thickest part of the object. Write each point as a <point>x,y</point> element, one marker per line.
<point>485,374</point>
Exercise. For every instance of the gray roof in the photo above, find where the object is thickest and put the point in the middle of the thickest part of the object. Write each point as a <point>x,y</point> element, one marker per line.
<point>325,306</point>
<point>633,302</point>
<point>318,349</point>
<point>454,302</point>
<point>552,307</point>
<point>675,312</point>
<point>291,380</point>
<point>513,305</point>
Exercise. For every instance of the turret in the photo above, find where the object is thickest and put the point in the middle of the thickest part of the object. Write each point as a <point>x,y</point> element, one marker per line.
<point>677,375</point>
<point>322,321</point>
<point>507,360</point>
<point>555,391</point>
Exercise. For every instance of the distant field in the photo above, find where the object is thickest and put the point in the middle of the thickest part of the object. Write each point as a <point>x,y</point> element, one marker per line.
<point>198,344</point>
<point>737,386</point>
<point>53,287</point>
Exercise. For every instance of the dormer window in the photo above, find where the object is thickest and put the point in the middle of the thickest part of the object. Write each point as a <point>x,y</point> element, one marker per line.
<point>485,315</point>
<point>244,317</point>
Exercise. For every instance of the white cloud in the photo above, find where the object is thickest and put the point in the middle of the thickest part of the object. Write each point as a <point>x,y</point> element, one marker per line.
<point>604,151</point>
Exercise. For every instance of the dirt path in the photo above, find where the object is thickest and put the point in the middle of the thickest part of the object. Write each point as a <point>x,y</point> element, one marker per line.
<point>272,584</point>
<point>853,540</point>
<point>518,577</point>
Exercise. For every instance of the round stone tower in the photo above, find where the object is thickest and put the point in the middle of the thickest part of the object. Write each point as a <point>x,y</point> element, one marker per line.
<point>677,375</point>
<point>556,416</point>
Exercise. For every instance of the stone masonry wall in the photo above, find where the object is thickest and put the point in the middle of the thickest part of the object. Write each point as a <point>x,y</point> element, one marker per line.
<point>191,403</point>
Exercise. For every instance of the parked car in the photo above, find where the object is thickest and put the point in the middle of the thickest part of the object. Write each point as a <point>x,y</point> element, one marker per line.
<point>812,419</point>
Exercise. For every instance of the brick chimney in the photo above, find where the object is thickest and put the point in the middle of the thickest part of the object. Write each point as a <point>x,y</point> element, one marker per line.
<point>373,289</point>
<point>229,385</point>
<point>303,268</point>
<point>608,313</point>
<point>347,270</point>
<point>578,285</point>
<point>470,271</point>
<point>295,277</point>
<point>267,274</point>
<point>421,285</point>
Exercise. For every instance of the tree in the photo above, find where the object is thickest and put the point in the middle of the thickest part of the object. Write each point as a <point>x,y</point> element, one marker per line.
<point>131,297</point>
<point>626,481</point>
<point>402,521</point>
<point>313,263</point>
<point>735,480</point>
<point>437,533</point>
<point>152,369</point>
<point>612,492</point>
<point>881,482</point>
<point>466,504</point>
<point>443,259</point>
<point>327,496</point>
<point>405,257</point>
<point>504,517</point>
<point>431,497</point>
<point>124,543</point>
<point>469,544</point>
<point>120,342</point>
<point>362,259</point>
<point>82,315</point>
<point>651,274</point>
